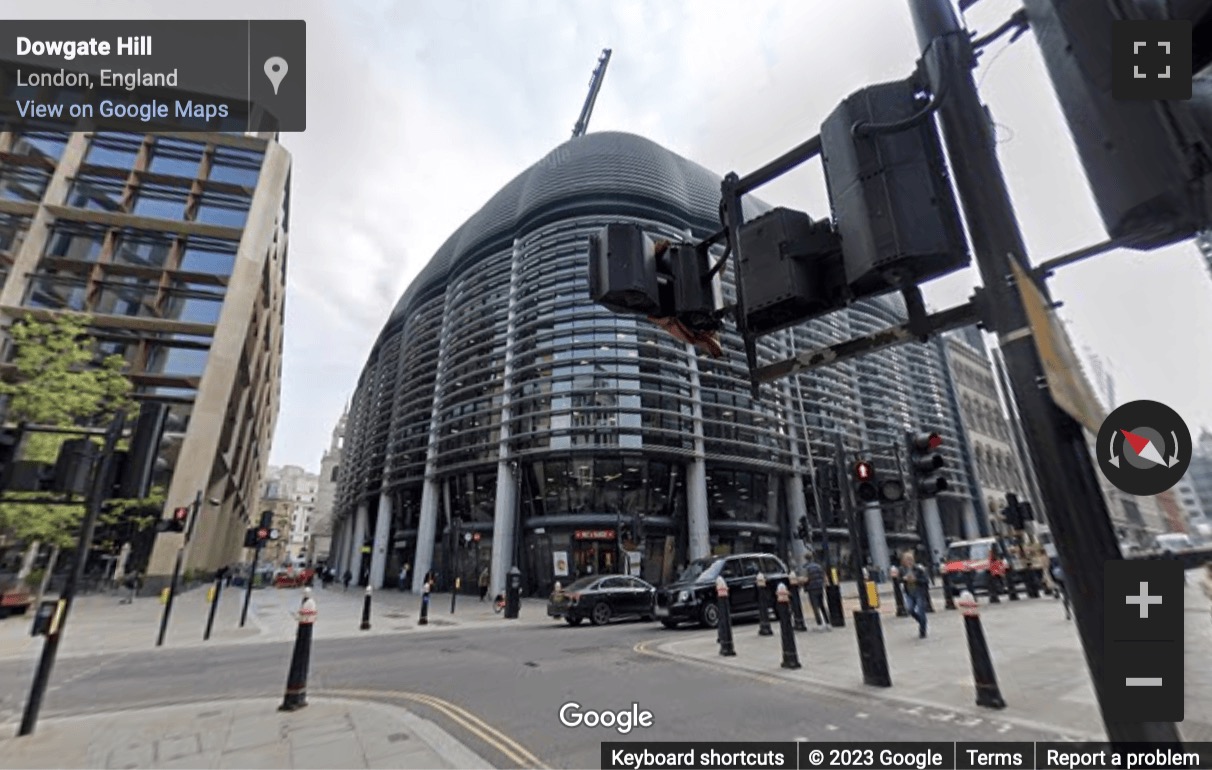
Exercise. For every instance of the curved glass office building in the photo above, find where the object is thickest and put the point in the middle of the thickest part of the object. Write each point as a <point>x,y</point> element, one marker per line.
<point>504,419</point>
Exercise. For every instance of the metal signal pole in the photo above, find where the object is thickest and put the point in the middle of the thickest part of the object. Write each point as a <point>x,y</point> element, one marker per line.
<point>96,497</point>
<point>1077,514</point>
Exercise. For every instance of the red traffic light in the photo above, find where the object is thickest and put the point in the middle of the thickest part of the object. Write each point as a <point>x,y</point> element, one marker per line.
<point>262,534</point>
<point>926,442</point>
<point>180,514</point>
<point>863,471</point>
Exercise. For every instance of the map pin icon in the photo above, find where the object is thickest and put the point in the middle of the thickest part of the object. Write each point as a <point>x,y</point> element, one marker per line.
<point>275,70</point>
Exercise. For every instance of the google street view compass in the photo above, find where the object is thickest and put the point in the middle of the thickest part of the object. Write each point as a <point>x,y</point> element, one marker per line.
<point>1144,448</point>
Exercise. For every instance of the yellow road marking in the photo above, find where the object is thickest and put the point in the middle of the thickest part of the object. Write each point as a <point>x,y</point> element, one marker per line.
<point>464,718</point>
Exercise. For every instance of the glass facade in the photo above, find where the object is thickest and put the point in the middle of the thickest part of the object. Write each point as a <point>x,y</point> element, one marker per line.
<point>500,393</point>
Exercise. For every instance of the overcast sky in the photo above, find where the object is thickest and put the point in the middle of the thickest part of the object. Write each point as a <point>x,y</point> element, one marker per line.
<point>419,111</point>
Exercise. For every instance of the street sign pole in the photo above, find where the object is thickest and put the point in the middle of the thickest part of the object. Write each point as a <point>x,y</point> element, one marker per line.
<point>1077,514</point>
<point>252,575</point>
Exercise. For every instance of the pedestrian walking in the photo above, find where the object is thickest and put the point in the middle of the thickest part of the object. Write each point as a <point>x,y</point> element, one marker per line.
<point>347,578</point>
<point>1058,578</point>
<point>814,585</point>
<point>484,584</point>
<point>133,583</point>
<point>403,577</point>
<point>917,586</point>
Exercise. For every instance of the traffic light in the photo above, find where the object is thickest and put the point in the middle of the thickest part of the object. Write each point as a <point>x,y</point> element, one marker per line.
<point>790,270</point>
<point>1013,513</point>
<point>74,466</point>
<point>180,519</point>
<point>926,464</point>
<point>250,538</point>
<point>138,463</point>
<point>864,482</point>
<point>889,190</point>
<point>1148,161</point>
<point>267,521</point>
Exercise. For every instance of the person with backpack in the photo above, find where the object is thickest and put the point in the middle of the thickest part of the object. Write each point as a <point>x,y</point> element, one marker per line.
<point>814,586</point>
<point>917,586</point>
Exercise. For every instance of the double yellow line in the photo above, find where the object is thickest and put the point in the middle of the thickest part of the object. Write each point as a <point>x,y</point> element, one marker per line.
<point>490,735</point>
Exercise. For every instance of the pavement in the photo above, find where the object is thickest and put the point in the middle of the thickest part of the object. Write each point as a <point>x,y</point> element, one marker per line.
<point>100,624</point>
<point>1040,667</point>
<point>248,733</point>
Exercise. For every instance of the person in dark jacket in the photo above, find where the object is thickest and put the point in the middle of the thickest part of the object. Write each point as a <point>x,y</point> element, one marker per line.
<point>814,585</point>
<point>347,578</point>
<point>1058,577</point>
<point>917,586</point>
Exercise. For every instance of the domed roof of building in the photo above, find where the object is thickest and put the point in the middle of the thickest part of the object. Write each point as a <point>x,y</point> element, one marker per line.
<point>594,171</point>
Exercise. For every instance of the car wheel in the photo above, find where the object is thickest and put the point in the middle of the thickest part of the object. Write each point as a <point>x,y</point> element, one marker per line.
<point>601,614</point>
<point>572,620</point>
<point>669,623</point>
<point>710,615</point>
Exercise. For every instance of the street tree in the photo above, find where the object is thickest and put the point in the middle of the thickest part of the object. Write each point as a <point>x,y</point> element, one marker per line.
<point>56,379</point>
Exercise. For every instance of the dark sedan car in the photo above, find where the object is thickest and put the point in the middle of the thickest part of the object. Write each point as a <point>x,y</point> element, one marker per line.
<point>692,597</point>
<point>603,598</point>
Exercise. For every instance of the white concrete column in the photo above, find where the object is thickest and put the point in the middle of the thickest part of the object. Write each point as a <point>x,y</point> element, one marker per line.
<point>506,528</point>
<point>27,563</point>
<point>698,521</point>
<point>934,530</point>
<point>427,528</point>
<point>378,554</point>
<point>427,522</point>
<point>355,548</point>
<point>797,508</point>
<point>972,527</point>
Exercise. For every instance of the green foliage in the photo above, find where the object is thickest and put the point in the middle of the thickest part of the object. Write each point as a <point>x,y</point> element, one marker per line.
<point>57,381</point>
<point>34,578</point>
<point>143,512</point>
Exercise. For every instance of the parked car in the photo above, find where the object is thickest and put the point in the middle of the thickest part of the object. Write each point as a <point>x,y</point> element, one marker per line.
<point>692,597</point>
<point>15,599</point>
<point>602,598</point>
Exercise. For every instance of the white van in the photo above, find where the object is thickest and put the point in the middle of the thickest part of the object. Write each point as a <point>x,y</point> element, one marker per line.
<point>1173,542</point>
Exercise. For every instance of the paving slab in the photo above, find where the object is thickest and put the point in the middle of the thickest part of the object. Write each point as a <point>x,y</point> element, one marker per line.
<point>1039,663</point>
<point>249,733</point>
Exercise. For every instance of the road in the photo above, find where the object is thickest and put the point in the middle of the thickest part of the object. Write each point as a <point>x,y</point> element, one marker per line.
<point>513,678</point>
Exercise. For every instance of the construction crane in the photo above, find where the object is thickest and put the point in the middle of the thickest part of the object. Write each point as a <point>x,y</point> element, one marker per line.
<point>595,85</point>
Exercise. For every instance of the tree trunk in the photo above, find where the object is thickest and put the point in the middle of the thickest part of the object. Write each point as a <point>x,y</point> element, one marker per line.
<point>31,555</point>
<point>46,577</point>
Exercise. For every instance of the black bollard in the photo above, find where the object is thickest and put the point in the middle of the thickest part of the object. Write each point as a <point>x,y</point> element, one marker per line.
<point>970,582</point>
<point>455,594</point>
<point>833,603</point>
<point>995,588</point>
<point>300,659</point>
<point>763,607</point>
<point>987,692</point>
<point>724,631</point>
<point>366,611</point>
<point>424,621</point>
<point>797,604</point>
<point>948,594</point>
<point>214,604</point>
<point>783,608</point>
<point>898,595</point>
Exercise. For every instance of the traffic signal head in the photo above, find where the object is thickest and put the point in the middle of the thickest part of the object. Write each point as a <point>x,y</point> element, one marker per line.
<point>865,488</point>
<point>926,464</point>
<point>180,519</point>
<point>1146,160</point>
<point>890,192</point>
<point>267,520</point>
<point>790,270</point>
<point>623,271</point>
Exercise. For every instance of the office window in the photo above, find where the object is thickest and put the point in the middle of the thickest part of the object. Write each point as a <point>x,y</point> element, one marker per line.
<point>193,307</point>
<point>205,255</point>
<point>175,157</point>
<point>56,293</point>
<point>126,295</point>
<point>161,202</point>
<point>114,150</point>
<point>223,209</point>
<point>97,194</point>
<point>23,183</point>
<point>75,241</point>
<point>12,231</point>
<point>188,362</point>
<point>41,144</point>
<point>236,166</point>
<point>142,249</point>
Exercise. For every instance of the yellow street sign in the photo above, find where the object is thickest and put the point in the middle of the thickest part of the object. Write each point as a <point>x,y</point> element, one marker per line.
<point>1066,379</point>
